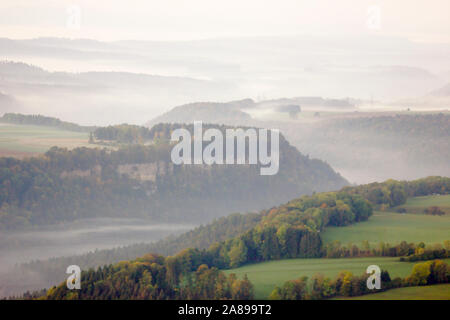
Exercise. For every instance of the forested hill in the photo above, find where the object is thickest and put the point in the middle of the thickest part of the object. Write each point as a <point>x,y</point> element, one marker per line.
<point>141,181</point>
<point>288,231</point>
<point>40,120</point>
<point>270,234</point>
<point>208,112</point>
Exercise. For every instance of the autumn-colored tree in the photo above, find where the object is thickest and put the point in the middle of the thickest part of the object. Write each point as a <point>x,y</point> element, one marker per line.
<point>419,274</point>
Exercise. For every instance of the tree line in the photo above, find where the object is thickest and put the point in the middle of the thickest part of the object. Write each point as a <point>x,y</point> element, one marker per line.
<point>393,193</point>
<point>124,133</point>
<point>408,251</point>
<point>156,277</point>
<point>347,284</point>
<point>151,277</point>
<point>423,254</point>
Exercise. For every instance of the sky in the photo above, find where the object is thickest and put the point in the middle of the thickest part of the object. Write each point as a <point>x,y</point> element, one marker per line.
<point>109,20</point>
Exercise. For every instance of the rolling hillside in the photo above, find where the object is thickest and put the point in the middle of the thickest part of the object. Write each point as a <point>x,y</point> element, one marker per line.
<point>139,180</point>
<point>265,276</point>
<point>393,228</point>
<point>289,231</point>
<point>386,227</point>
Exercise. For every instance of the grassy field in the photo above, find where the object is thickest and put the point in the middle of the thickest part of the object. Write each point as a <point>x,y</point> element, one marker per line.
<point>388,227</point>
<point>23,140</point>
<point>419,204</point>
<point>393,228</point>
<point>265,276</point>
<point>435,292</point>
<point>427,201</point>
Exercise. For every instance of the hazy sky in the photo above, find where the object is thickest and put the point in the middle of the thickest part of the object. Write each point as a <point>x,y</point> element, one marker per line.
<point>424,20</point>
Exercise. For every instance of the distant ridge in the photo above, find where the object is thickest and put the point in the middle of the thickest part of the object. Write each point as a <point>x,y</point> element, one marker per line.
<point>441,92</point>
<point>208,112</point>
<point>237,112</point>
<point>40,120</point>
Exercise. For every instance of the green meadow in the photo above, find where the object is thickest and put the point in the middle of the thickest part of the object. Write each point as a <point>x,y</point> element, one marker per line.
<point>266,275</point>
<point>435,292</point>
<point>419,204</point>
<point>24,140</point>
<point>389,227</point>
<point>392,228</point>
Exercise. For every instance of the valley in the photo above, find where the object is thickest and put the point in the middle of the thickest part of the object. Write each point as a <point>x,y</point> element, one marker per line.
<point>212,153</point>
<point>134,156</point>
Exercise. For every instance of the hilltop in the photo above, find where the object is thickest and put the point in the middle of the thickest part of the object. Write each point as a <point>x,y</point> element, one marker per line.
<point>138,180</point>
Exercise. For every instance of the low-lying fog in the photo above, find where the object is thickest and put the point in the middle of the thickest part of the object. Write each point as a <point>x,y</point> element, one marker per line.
<point>79,237</point>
